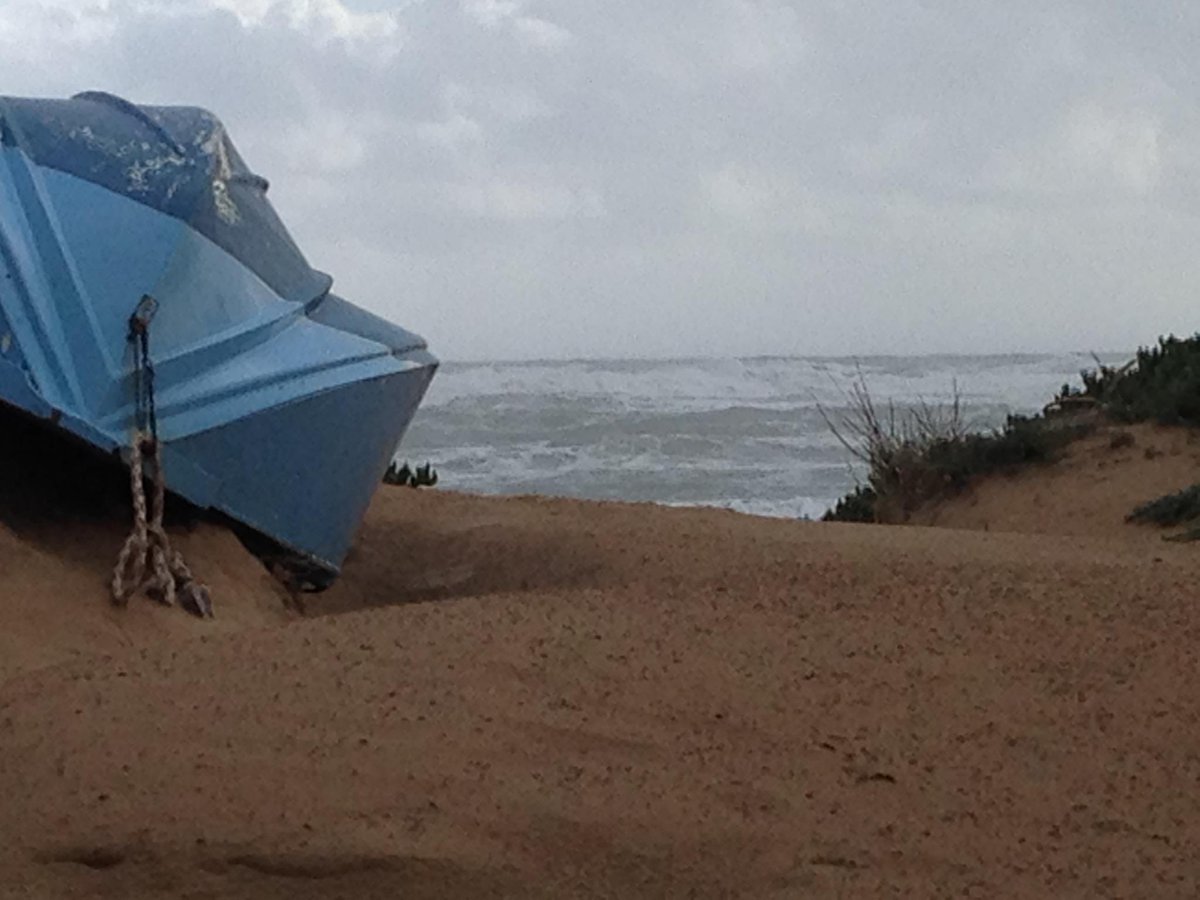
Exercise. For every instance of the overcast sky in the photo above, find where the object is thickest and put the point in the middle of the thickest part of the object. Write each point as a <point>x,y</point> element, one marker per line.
<point>524,179</point>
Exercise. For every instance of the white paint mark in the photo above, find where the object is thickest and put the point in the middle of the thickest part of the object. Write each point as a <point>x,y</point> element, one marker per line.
<point>214,146</point>
<point>139,170</point>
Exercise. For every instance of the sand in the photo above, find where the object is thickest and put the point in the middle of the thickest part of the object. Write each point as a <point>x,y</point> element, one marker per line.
<point>542,698</point>
<point>1088,492</point>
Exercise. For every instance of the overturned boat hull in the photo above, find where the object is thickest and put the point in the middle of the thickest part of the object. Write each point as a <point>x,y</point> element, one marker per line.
<point>278,403</point>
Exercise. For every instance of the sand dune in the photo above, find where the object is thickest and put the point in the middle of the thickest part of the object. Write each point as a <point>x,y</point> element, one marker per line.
<point>55,594</point>
<point>63,518</point>
<point>1099,480</point>
<point>539,698</point>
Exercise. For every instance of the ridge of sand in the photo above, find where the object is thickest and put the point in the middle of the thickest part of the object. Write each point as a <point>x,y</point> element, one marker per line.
<point>1090,491</point>
<point>64,515</point>
<point>54,585</point>
<point>545,698</point>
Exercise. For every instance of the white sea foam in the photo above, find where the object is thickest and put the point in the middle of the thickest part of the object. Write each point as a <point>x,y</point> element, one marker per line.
<point>739,433</point>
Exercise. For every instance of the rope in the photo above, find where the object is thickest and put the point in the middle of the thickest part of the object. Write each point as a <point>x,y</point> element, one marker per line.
<point>147,561</point>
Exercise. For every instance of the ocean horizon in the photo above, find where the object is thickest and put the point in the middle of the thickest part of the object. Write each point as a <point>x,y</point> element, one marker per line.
<point>744,433</point>
<point>1107,356</point>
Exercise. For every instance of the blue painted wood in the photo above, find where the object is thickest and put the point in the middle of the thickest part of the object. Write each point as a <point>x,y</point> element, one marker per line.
<point>279,402</point>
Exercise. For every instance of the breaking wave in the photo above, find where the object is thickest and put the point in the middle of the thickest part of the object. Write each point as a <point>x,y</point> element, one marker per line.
<point>746,434</point>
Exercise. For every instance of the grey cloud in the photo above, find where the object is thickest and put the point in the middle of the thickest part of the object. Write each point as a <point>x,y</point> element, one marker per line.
<point>711,176</point>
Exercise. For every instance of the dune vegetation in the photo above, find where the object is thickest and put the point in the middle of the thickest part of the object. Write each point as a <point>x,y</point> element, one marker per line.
<point>919,456</point>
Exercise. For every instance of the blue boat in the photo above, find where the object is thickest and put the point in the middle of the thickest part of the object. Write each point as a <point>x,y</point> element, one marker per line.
<point>278,403</point>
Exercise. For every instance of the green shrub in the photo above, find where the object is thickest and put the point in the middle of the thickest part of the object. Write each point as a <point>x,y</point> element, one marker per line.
<point>929,453</point>
<point>857,506</point>
<point>1161,384</point>
<point>421,476</point>
<point>1171,509</point>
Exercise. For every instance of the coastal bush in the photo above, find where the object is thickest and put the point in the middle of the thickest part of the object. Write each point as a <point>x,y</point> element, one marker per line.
<point>1170,510</point>
<point>404,475</point>
<point>1178,508</point>
<point>857,506</point>
<point>1160,384</point>
<point>928,452</point>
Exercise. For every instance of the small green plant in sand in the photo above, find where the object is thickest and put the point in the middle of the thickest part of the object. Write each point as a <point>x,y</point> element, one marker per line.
<point>928,452</point>
<point>406,476</point>
<point>856,506</point>
<point>1170,510</point>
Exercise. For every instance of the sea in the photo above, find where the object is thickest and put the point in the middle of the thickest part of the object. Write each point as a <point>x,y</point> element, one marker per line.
<point>747,434</point>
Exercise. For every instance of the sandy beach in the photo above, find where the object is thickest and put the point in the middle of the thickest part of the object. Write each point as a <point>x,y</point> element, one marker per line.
<point>527,697</point>
<point>748,450</point>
